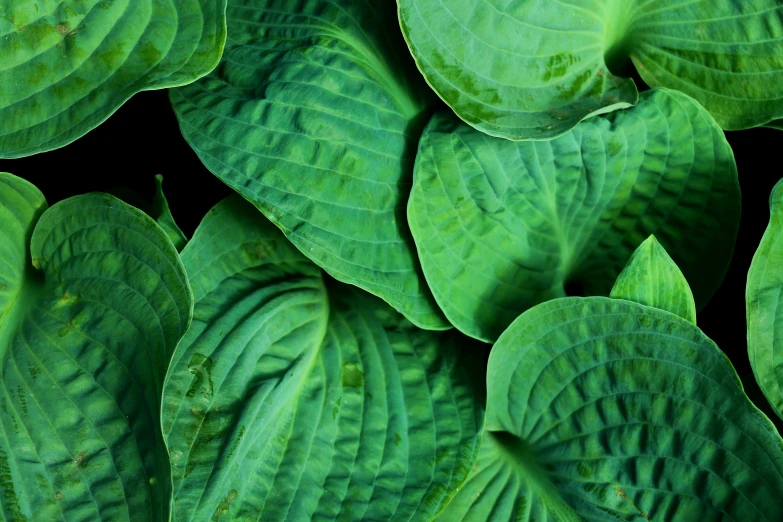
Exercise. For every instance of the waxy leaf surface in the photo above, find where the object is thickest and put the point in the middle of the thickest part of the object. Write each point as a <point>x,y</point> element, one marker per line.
<point>764,310</point>
<point>603,409</point>
<point>67,65</point>
<point>501,226</point>
<point>314,115</point>
<point>296,398</point>
<point>93,300</point>
<point>532,69</point>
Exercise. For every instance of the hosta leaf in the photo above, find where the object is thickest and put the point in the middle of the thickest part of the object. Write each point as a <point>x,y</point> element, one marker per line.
<point>533,69</point>
<point>602,410</point>
<point>67,65</point>
<point>93,301</point>
<point>501,226</point>
<point>652,278</point>
<point>765,283</point>
<point>160,212</point>
<point>292,398</point>
<point>156,207</point>
<point>313,115</point>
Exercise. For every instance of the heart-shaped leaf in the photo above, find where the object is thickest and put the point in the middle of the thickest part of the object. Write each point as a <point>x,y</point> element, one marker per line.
<point>603,409</point>
<point>66,66</point>
<point>763,293</point>
<point>313,115</point>
<point>501,226</point>
<point>295,398</point>
<point>533,69</point>
<point>93,300</point>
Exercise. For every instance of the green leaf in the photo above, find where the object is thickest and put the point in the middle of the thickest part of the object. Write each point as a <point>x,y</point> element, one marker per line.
<point>534,69</point>
<point>21,206</point>
<point>602,410</point>
<point>313,116</point>
<point>156,207</point>
<point>94,300</point>
<point>501,226</point>
<point>295,398</point>
<point>764,313</point>
<point>160,212</point>
<point>652,278</point>
<point>66,66</point>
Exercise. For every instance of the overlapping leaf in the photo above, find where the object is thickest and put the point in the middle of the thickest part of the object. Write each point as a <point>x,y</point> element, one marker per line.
<point>501,226</point>
<point>67,65</point>
<point>313,115</point>
<point>534,69</point>
<point>295,398</point>
<point>93,299</point>
<point>764,313</point>
<point>603,409</point>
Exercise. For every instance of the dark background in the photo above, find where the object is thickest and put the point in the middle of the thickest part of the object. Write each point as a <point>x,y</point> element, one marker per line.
<point>143,139</point>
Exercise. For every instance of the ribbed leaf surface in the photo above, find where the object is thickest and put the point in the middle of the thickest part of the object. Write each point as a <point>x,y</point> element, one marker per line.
<point>67,65</point>
<point>84,345</point>
<point>501,226</point>
<point>532,69</point>
<point>295,399</point>
<point>603,410</point>
<point>313,115</point>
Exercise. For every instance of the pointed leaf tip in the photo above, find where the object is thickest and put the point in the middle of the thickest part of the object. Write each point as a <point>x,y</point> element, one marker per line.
<point>161,213</point>
<point>652,278</point>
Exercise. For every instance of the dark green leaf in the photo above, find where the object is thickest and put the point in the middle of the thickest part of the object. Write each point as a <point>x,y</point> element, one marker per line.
<point>602,410</point>
<point>66,66</point>
<point>313,115</point>
<point>295,398</point>
<point>763,293</point>
<point>90,314</point>
<point>532,69</point>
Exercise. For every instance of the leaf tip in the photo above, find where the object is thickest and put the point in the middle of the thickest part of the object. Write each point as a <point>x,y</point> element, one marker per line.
<point>652,278</point>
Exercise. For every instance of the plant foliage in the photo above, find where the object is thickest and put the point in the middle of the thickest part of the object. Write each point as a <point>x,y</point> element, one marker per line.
<point>534,69</point>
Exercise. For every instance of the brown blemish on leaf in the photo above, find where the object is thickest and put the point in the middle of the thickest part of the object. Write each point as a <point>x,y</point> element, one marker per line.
<point>224,505</point>
<point>623,495</point>
<point>64,30</point>
<point>67,298</point>
<point>79,460</point>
